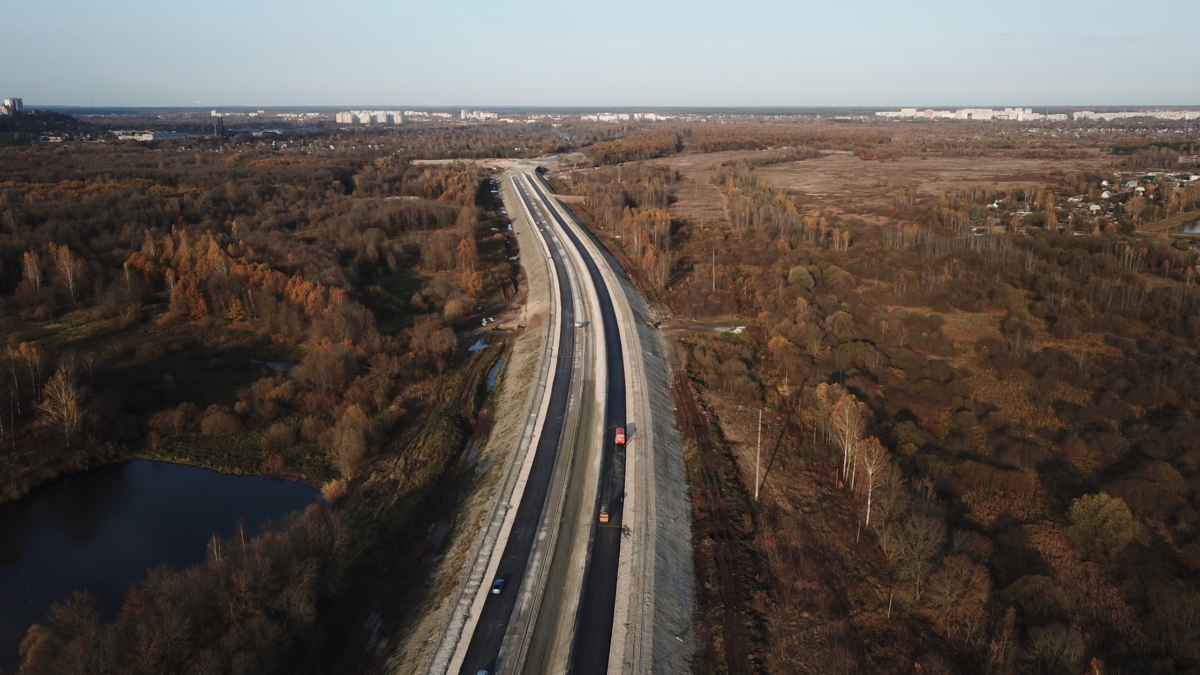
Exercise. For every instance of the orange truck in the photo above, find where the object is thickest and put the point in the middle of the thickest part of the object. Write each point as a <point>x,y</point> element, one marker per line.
<point>620,436</point>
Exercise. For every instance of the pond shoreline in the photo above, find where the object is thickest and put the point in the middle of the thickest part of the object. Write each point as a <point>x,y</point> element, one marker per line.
<point>16,494</point>
<point>102,529</point>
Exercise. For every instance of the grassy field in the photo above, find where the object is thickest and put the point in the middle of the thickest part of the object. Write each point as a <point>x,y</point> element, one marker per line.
<point>843,183</point>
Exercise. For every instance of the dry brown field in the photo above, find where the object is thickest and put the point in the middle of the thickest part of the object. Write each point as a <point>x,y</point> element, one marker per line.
<point>841,182</point>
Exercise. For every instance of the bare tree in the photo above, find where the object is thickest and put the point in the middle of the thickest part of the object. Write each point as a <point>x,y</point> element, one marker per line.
<point>33,269</point>
<point>89,362</point>
<point>15,392</point>
<point>432,342</point>
<point>62,403</point>
<point>1173,619</point>
<point>350,440</point>
<point>847,423</point>
<point>874,459</point>
<point>5,385</point>
<point>69,268</point>
<point>916,546</point>
<point>957,599</point>
<point>326,370</point>
<point>34,359</point>
<point>1054,648</point>
<point>892,497</point>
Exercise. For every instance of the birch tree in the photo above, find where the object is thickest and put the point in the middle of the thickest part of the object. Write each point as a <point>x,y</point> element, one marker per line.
<point>34,359</point>
<point>15,392</point>
<point>847,423</point>
<point>62,403</point>
<point>33,269</point>
<point>874,459</point>
<point>827,397</point>
<point>69,268</point>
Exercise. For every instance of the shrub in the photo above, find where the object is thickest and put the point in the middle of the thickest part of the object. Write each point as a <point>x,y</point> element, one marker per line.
<point>1101,525</point>
<point>334,491</point>
<point>1065,327</point>
<point>800,275</point>
<point>273,464</point>
<point>284,393</point>
<point>455,310</point>
<point>148,351</point>
<point>327,370</point>
<point>1007,297</point>
<point>1040,600</point>
<point>312,428</point>
<point>220,424</point>
<point>278,438</point>
<point>908,432</point>
<point>855,355</point>
<point>350,441</point>
<point>259,390</point>
<point>131,315</point>
<point>176,421</point>
<point>432,343</point>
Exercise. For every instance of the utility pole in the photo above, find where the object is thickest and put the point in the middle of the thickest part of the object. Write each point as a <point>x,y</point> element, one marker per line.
<point>714,280</point>
<point>757,454</point>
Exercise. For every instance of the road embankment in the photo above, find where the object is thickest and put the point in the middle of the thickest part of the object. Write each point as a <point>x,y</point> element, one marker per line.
<point>431,642</point>
<point>653,619</point>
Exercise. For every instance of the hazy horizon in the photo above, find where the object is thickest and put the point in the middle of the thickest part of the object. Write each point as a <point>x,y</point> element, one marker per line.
<point>575,109</point>
<point>670,54</point>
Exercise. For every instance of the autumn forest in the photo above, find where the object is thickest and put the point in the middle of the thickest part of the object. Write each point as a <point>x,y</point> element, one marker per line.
<point>938,383</point>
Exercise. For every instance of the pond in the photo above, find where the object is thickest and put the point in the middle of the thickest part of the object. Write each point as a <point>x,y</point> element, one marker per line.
<point>103,529</point>
<point>1192,227</point>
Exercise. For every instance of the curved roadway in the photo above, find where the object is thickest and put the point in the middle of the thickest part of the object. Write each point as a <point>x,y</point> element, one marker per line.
<point>484,649</point>
<point>593,630</point>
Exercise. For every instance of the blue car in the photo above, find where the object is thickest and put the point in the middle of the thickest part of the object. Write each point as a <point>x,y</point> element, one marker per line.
<point>497,586</point>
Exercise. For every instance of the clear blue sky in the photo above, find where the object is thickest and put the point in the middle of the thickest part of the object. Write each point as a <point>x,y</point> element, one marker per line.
<point>603,53</point>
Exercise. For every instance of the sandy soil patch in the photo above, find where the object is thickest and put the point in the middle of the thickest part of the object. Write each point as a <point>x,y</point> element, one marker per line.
<point>488,163</point>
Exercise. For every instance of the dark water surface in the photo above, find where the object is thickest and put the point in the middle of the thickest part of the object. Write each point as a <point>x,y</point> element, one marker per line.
<point>101,530</point>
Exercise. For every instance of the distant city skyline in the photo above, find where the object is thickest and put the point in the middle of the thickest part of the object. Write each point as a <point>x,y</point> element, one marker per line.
<point>617,54</point>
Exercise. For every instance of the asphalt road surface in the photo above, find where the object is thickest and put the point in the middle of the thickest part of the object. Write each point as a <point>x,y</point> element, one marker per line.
<point>593,632</point>
<point>484,649</point>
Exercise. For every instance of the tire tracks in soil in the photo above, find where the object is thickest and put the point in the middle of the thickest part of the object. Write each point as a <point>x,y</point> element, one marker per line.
<point>722,537</point>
